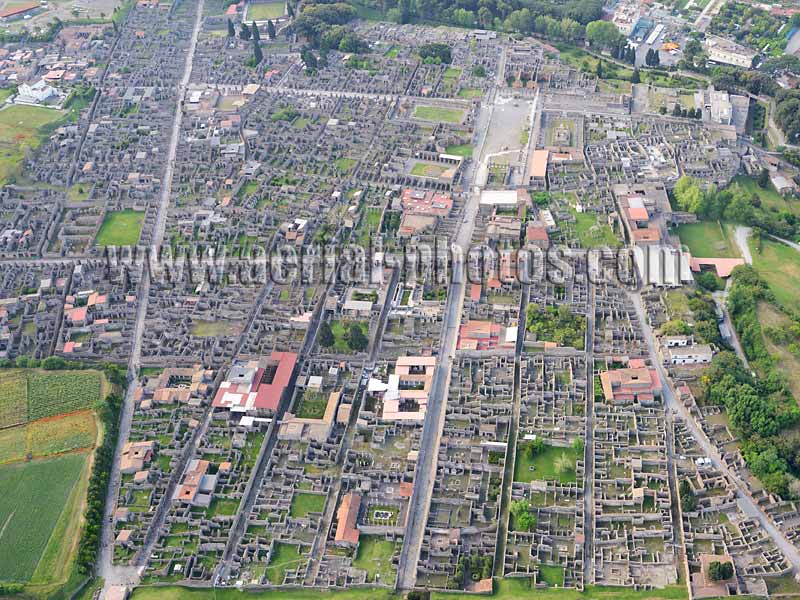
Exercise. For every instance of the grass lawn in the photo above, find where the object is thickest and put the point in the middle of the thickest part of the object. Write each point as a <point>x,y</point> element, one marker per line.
<point>552,575</point>
<point>284,557</point>
<point>225,507</point>
<point>264,11</point>
<point>345,164</point>
<point>464,150</point>
<point>375,557</point>
<point>303,504</point>
<point>439,113</point>
<point>779,265</point>
<point>516,588</point>
<point>120,228</point>
<point>593,234</point>
<point>469,93</point>
<point>311,405</point>
<point>423,169</point>
<point>215,328</point>
<point>769,197</point>
<point>544,465</point>
<point>708,239</point>
<point>34,496</point>
<point>22,128</point>
<point>677,304</point>
<point>340,331</point>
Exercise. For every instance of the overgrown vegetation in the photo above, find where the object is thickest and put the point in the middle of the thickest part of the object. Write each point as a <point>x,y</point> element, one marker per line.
<point>761,409</point>
<point>559,325</point>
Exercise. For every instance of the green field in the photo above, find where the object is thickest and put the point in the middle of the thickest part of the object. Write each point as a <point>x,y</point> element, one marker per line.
<point>224,507</point>
<point>22,128</point>
<point>120,228</point>
<point>779,266</point>
<point>303,504</point>
<point>284,557</point>
<point>552,575</point>
<point>424,169</point>
<point>34,496</point>
<point>517,588</point>
<point>265,10</point>
<point>340,330</point>
<point>769,197</point>
<point>375,557</point>
<point>593,234</point>
<point>543,465</point>
<point>311,405</point>
<point>438,113</point>
<point>708,239</point>
<point>464,150</point>
<point>469,93</point>
<point>345,165</point>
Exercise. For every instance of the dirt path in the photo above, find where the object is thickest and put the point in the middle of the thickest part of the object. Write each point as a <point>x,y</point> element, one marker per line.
<point>740,235</point>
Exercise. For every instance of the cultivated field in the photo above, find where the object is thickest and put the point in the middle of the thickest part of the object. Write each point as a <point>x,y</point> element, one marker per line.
<point>32,394</point>
<point>46,437</point>
<point>53,393</point>
<point>34,496</point>
<point>13,398</point>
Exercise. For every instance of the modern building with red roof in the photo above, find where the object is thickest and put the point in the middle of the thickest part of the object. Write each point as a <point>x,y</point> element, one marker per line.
<point>256,386</point>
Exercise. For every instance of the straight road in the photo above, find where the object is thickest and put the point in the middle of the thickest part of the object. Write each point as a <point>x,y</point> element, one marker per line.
<point>115,574</point>
<point>425,472</point>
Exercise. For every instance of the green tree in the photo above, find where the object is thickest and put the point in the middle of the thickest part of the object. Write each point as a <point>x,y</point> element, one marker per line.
<point>688,499</point>
<point>534,447</point>
<point>675,327</point>
<point>271,30</point>
<point>719,571</point>
<point>603,34</point>
<point>244,32</point>
<point>326,337</point>
<point>256,33</point>
<point>231,29</point>
<point>356,340</point>
<point>563,464</point>
<point>636,78</point>
<point>258,55</point>
<point>763,179</point>
<point>688,195</point>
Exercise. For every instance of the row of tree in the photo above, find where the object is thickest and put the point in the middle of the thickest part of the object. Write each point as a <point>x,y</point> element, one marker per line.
<point>511,15</point>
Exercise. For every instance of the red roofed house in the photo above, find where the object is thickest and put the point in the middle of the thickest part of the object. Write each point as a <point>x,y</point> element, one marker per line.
<point>256,386</point>
<point>347,517</point>
<point>198,485</point>
<point>638,383</point>
<point>485,335</point>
